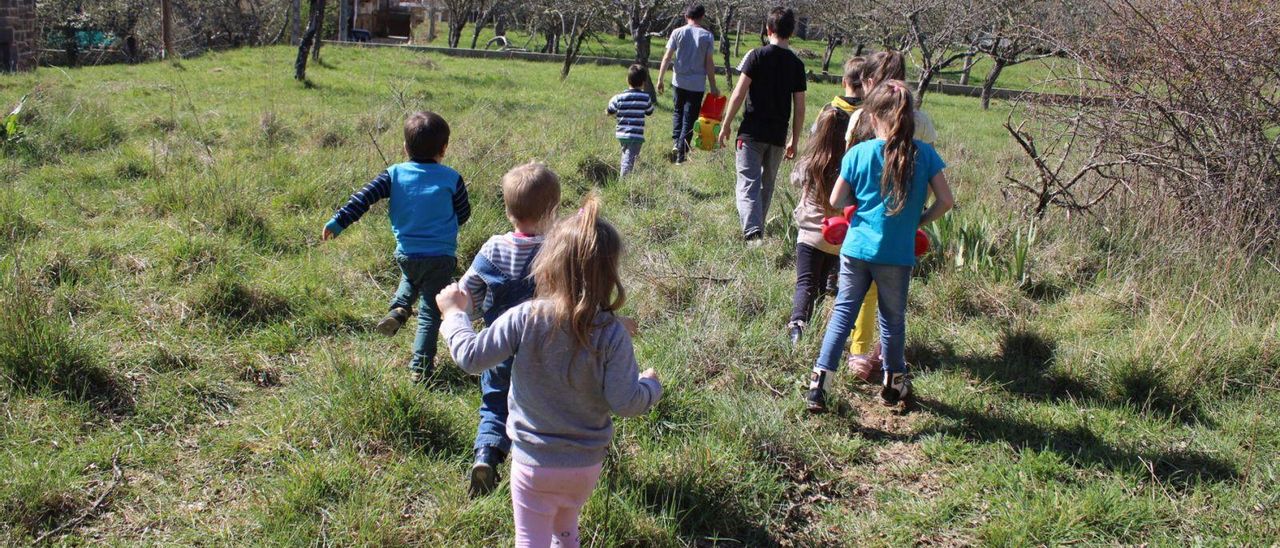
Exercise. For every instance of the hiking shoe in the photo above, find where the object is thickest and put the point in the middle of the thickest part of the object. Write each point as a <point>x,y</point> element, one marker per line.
<point>816,398</point>
<point>484,471</point>
<point>895,389</point>
<point>795,330</point>
<point>867,368</point>
<point>419,376</point>
<point>392,322</point>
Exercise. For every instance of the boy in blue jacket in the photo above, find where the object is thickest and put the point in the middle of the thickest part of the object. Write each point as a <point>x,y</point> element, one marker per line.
<point>427,202</point>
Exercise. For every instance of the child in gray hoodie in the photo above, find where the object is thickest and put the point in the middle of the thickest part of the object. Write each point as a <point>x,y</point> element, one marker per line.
<point>574,367</point>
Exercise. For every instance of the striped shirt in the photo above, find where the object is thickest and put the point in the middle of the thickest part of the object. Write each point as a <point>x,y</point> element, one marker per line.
<point>510,252</point>
<point>631,107</point>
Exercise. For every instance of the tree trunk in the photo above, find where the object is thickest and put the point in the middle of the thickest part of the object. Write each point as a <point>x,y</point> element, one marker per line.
<point>166,27</point>
<point>319,22</point>
<point>968,68</point>
<point>857,50</point>
<point>456,24</point>
<point>832,43</point>
<point>724,52</point>
<point>344,30</point>
<point>737,41</point>
<point>295,21</point>
<point>990,82</point>
<point>313,28</point>
<point>477,28</point>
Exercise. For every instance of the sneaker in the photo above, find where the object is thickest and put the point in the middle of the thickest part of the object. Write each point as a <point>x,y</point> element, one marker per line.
<point>816,398</point>
<point>867,367</point>
<point>484,471</point>
<point>419,376</point>
<point>392,322</point>
<point>896,388</point>
<point>795,330</point>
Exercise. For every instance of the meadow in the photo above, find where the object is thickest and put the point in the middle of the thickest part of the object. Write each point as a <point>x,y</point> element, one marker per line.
<point>182,361</point>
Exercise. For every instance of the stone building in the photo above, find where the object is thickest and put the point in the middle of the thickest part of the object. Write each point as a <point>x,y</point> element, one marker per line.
<point>17,35</point>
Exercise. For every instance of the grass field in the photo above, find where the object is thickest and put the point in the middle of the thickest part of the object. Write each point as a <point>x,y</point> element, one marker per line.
<point>183,362</point>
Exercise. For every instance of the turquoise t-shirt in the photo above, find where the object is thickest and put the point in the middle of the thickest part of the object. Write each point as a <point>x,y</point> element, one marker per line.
<point>873,235</point>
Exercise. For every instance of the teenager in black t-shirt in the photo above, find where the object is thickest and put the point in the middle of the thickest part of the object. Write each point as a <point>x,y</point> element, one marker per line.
<point>773,83</point>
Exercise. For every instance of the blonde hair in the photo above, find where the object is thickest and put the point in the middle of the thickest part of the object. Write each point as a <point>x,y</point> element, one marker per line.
<point>576,272</point>
<point>531,192</point>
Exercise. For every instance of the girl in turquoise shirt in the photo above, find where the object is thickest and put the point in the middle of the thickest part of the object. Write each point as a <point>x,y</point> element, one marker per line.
<point>888,178</point>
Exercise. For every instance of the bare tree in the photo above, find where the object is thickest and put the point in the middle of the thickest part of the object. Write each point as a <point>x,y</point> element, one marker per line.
<point>310,38</point>
<point>1012,34</point>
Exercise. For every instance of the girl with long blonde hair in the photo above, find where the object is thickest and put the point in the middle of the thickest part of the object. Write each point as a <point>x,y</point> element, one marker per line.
<point>574,368</point>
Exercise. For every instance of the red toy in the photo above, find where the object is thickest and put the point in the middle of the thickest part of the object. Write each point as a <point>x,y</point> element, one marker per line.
<point>713,107</point>
<point>922,243</point>
<point>834,229</point>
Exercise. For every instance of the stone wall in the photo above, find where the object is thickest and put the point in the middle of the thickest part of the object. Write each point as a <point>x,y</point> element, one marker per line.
<point>18,38</point>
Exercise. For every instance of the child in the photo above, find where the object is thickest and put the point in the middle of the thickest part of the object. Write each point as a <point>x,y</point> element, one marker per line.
<point>851,81</point>
<point>864,356</point>
<point>428,202</point>
<point>814,175</point>
<point>692,47</point>
<point>773,83</point>
<point>499,279</point>
<point>888,178</point>
<point>631,107</point>
<point>574,365</point>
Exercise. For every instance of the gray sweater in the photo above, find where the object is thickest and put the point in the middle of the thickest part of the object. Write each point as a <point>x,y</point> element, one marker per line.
<point>561,396</point>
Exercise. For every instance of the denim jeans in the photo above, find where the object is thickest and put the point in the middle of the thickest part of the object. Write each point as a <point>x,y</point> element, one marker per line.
<point>757,165</point>
<point>892,282</point>
<point>630,154</point>
<point>494,386</point>
<point>421,278</point>
<point>683,114</point>
<point>812,269</point>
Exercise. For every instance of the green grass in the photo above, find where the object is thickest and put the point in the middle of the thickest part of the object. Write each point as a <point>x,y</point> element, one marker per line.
<point>166,296</point>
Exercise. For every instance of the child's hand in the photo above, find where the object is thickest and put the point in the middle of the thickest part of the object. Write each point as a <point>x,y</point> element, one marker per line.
<point>453,299</point>
<point>632,327</point>
<point>326,235</point>
<point>650,374</point>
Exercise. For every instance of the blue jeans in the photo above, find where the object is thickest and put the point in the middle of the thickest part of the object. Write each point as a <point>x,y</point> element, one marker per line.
<point>855,277</point>
<point>630,153</point>
<point>421,278</point>
<point>494,385</point>
<point>683,114</point>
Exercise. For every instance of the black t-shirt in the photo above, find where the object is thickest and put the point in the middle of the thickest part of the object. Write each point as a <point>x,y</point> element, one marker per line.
<point>775,74</point>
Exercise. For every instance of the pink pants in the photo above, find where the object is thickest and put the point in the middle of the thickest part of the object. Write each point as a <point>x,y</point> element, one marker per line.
<point>547,502</point>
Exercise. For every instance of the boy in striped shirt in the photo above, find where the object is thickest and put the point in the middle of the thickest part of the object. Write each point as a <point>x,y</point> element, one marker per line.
<point>500,278</point>
<point>427,202</point>
<point>631,107</point>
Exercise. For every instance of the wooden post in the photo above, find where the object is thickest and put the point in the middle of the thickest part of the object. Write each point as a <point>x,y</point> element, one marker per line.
<point>166,27</point>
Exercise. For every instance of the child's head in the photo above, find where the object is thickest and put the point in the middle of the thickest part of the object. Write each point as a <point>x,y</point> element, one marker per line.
<point>892,111</point>
<point>637,74</point>
<point>426,136</point>
<point>781,23</point>
<point>576,271</point>
<point>823,155</point>
<point>881,67</point>
<point>531,193</point>
<point>852,79</point>
<point>695,12</point>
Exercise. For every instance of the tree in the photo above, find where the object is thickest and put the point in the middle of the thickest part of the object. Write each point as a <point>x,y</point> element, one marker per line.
<point>485,11</point>
<point>931,29</point>
<point>459,11</point>
<point>722,14</point>
<point>1013,35</point>
<point>309,38</point>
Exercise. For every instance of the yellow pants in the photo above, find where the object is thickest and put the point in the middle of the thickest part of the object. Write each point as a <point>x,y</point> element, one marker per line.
<point>865,328</point>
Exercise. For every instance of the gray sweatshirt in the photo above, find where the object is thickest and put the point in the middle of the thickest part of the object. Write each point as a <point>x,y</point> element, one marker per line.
<point>561,396</point>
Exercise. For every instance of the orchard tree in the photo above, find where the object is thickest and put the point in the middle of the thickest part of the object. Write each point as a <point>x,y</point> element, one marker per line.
<point>1014,32</point>
<point>932,30</point>
<point>310,39</point>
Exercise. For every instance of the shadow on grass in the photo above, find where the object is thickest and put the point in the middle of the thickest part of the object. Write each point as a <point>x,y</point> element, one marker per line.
<point>1024,366</point>
<point>1181,469</point>
<point>703,512</point>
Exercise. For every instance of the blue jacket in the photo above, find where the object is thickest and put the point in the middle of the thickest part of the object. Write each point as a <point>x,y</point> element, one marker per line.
<point>428,202</point>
